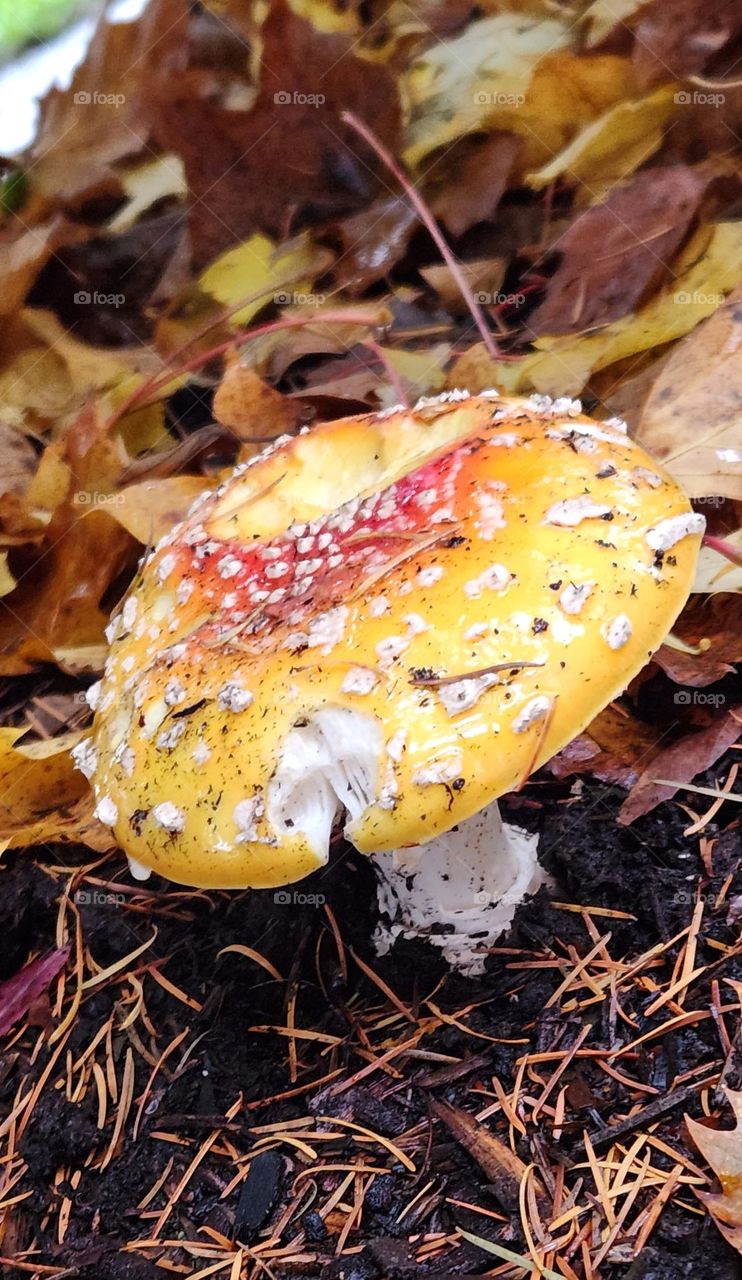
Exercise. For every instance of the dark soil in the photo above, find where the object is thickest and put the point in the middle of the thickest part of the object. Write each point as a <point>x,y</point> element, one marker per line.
<point>650,870</point>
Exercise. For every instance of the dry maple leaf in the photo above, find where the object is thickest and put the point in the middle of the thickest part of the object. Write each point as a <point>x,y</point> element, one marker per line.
<point>289,149</point>
<point>722,1150</point>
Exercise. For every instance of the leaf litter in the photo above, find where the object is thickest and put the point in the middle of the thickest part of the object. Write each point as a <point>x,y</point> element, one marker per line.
<point>204,253</point>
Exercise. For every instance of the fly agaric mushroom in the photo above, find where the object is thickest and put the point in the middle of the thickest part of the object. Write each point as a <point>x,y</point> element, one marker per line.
<point>395,617</point>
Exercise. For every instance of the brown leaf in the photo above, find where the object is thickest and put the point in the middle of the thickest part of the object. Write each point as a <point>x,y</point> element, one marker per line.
<point>616,253</point>
<point>692,418</point>
<point>484,275</point>
<point>101,118</point>
<point>250,407</point>
<point>17,994</point>
<point>474,181</point>
<point>372,242</point>
<point>717,622</point>
<point>613,749</point>
<point>504,1170</point>
<point>681,763</point>
<point>722,1150</point>
<point>683,37</point>
<point>57,610</point>
<point>289,151</point>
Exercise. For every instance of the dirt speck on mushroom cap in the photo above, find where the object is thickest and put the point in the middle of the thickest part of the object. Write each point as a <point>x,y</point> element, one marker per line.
<point>442,541</point>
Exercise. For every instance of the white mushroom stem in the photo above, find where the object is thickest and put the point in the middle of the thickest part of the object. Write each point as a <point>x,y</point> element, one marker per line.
<point>459,890</point>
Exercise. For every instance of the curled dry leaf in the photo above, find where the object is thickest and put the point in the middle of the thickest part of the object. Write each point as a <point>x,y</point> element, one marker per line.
<point>250,407</point>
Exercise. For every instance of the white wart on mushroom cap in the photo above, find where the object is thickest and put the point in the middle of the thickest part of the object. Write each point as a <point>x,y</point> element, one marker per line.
<point>398,615</point>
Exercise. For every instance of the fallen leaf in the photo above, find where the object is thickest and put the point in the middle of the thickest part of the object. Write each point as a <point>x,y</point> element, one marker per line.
<point>36,780</point>
<point>686,38</point>
<point>613,748</point>
<point>287,149</point>
<point>372,242</point>
<point>262,272</point>
<point>100,119</point>
<point>7,582</point>
<point>692,419</point>
<point>17,994</point>
<point>476,81</point>
<point>713,624</point>
<point>59,601</point>
<point>146,184</point>
<point>722,1150</point>
<point>471,185</point>
<point>603,16</point>
<point>616,253</point>
<point>484,276</point>
<point>17,460</point>
<point>681,762</point>
<point>150,509</point>
<point>709,267</point>
<point>612,146</point>
<point>714,572</point>
<point>23,256</point>
<point>250,407</point>
<point>422,372</point>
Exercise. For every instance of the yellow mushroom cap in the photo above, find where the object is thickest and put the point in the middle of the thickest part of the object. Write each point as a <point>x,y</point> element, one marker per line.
<point>449,593</point>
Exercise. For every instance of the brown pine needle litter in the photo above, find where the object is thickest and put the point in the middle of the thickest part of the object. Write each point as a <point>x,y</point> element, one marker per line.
<point>557,1132</point>
<point>328,208</point>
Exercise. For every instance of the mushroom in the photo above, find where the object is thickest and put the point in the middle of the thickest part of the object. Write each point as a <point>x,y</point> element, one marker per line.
<point>395,618</point>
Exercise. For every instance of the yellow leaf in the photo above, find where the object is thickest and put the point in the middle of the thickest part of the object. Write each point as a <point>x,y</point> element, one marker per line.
<point>614,145</point>
<point>7,581</point>
<point>51,484</point>
<point>149,510</point>
<point>145,184</point>
<point>692,419</point>
<point>714,573</point>
<point>421,371</point>
<point>35,780</point>
<point>259,272</point>
<point>604,16</point>
<point>469,83</point>
<point>567,94</point>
